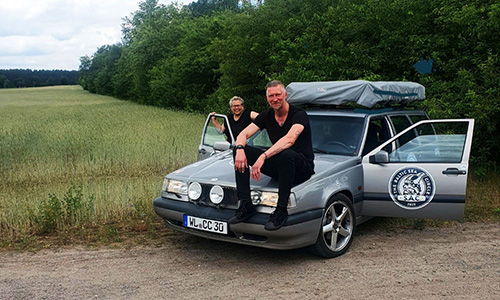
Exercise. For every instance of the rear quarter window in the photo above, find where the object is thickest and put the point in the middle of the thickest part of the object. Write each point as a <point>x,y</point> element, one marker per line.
<point>417,118</point>
<point>422,130</point>
<point>400,123</point>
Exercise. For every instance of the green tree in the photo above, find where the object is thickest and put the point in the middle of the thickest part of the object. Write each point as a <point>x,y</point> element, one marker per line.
<point>19,82</point>
<point>4,82</point>
<point>185,79</point>
<point>35,80</point>
<point>122,79</point>
<point>63,80</point>
<point>150,37</point>
<point>208,7</point>
<point>85,79</point>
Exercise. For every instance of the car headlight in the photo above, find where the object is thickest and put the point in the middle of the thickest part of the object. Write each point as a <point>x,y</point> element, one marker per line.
<point>194,191</point>
<point>270,199</point>
<point>292,201</point>
<point>216,194</point>
<point>176,186</point>
<point>165,185</point>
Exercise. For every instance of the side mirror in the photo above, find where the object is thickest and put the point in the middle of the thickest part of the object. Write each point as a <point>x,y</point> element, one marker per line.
<point>221,145</point>
<point>381,157</point>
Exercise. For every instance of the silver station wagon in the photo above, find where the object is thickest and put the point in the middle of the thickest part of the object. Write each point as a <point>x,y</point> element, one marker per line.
<point>368,162</point>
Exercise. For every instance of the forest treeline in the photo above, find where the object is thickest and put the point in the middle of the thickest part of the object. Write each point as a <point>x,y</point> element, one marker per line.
<point>197,56</point>
<point>20,78</point>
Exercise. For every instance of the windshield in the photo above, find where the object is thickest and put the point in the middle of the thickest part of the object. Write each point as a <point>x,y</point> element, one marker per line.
<point>330,134</point>
<point>336,134</point>
<point>260,140</point>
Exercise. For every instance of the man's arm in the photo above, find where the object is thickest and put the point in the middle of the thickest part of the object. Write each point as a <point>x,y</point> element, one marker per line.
<point>284,143</point>
<point>253,115</point>
<point>247,133</point>
<point>240,160</point>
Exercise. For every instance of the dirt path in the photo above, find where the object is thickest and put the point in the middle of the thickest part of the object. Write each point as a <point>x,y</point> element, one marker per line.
<point>462,262</point>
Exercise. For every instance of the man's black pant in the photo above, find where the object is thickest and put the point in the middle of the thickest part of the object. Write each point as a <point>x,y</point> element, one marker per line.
<point>288,167</point>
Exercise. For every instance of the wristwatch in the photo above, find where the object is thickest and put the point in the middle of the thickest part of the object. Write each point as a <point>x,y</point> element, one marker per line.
<point>239,147</point>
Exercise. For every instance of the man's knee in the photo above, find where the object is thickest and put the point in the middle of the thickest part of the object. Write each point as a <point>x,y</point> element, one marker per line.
<point>286,162</point>
<point>287,156</point>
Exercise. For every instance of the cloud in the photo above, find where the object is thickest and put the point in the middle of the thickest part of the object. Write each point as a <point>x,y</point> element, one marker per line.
<point>54,34</point>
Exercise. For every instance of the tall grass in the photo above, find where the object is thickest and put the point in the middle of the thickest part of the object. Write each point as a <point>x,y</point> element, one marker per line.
<point>70,159</point>
<point>482,202</point>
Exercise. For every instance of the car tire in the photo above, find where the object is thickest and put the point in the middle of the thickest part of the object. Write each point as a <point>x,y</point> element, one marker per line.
<point>338,225</point>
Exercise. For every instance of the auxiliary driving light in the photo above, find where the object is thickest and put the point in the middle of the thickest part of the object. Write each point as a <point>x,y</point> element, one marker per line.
<point>194,191</point>
<point>216,194</point>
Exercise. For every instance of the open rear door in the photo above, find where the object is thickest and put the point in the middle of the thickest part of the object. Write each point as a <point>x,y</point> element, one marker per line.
<point>214,137</point>
<point>423,174</point>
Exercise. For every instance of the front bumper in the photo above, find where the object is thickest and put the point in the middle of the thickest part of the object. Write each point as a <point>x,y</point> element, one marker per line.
<point>300,230</point>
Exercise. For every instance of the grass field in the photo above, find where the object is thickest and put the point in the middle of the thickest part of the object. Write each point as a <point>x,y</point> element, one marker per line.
<point>75,162</point>
<point>82,167</point>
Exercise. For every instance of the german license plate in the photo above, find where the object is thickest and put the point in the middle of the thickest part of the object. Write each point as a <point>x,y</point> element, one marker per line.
<point>205,224</point>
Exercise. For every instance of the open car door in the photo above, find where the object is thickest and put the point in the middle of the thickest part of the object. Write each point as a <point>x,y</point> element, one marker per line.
<point>419,173</point>
<point>213,138</point>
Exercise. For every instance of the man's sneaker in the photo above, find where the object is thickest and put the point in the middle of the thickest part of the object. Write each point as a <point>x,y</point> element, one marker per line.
<point>277,219</point>
<point>243,213</point>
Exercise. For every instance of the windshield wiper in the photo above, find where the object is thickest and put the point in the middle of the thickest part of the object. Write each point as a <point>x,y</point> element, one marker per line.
<point>320,150</point>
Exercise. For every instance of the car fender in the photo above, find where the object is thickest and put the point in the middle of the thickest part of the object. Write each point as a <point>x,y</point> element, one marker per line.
<point>316,193</point>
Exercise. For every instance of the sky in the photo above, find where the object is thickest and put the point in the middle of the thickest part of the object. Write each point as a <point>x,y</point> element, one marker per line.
<point>54,34</point>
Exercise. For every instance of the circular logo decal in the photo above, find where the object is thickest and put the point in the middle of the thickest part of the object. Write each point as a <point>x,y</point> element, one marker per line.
<point>412,187</point>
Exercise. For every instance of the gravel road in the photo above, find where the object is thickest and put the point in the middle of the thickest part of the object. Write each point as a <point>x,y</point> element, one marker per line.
<point>461,262</point>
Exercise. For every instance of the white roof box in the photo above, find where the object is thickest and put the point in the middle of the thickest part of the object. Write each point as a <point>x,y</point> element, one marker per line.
<point>365,93</point>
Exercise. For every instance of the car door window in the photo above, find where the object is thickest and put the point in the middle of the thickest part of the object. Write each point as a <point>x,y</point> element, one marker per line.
<point>441,142</point>
<point>213,133</point>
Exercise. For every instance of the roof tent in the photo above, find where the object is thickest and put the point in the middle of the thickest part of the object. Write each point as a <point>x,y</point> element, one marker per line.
<point>365,93</point>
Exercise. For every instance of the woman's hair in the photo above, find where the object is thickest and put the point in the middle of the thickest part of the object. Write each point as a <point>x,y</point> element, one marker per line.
<point>236,98</point>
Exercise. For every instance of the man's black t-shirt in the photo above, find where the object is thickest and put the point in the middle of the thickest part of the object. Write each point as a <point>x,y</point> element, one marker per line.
<point>296,115</point>
<point>237,126</point>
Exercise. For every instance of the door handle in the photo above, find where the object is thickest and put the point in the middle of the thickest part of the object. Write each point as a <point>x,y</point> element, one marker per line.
<point>454,171</point>
<point>203,151</point>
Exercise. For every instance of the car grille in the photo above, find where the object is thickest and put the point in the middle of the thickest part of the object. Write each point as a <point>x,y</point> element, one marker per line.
<point>230,199</point>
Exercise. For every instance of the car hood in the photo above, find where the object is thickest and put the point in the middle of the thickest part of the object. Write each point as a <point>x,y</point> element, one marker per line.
<point>219,169</point>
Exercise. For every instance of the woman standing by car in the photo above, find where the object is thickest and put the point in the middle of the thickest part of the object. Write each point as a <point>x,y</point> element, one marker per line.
<point>239,119</point>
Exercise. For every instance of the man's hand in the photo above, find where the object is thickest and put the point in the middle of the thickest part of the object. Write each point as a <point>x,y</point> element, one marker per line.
<point>255,173</point>
<point>240,161</point>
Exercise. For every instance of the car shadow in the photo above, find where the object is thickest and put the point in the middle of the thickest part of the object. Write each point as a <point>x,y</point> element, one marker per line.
<point>194,246</point>
<point>191,245</point>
